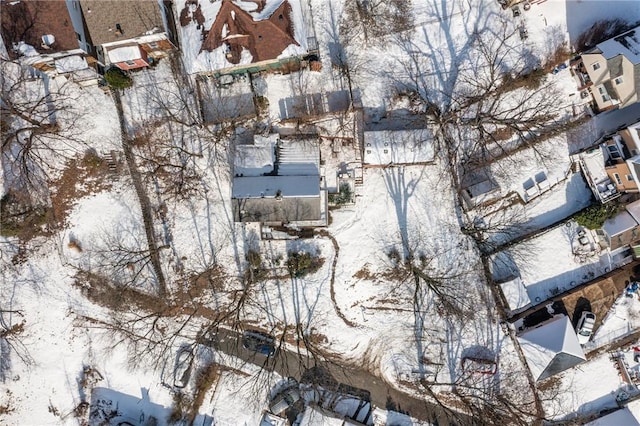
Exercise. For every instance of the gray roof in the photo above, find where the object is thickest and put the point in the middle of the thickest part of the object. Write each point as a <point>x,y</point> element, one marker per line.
<point>270,210</point>
<point>551,348</point>
<point>135,17</point>
<point>270,186</point>
<point>634,209</point>
<point>615,66</point>
<point>618,224</point>
<point>627,44</point>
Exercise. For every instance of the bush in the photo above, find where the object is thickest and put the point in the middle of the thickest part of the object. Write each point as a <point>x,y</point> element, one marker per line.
<point>256,270</point>
<point>302,263</point>
<point>593,217</point>
<point>117,78</point>
<point>531,81</point>
<point>262,102</point>
<point>343,196</point>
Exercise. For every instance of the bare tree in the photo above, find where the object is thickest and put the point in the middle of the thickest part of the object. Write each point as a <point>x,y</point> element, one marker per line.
<point>38,126</point>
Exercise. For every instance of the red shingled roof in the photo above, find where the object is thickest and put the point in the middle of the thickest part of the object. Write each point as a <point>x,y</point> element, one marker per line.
<point>29,20</point>
<point>265,39</point>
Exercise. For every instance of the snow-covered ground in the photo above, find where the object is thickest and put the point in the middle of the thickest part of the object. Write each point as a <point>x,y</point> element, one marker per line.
<point>365,310</point>
<point>573,391</point>
<point>545,187</point>
<point>548,263</point>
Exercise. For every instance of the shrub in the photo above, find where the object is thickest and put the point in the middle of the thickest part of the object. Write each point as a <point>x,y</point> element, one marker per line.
<point>262,102</point>
<point>256,270</point>
<point>531,81</point>
<point>302,263</point>
<point>20,217</point>
<point>593,217</point>
<point>91,159</point>
<point>117,78</point>
<point>343,196</point>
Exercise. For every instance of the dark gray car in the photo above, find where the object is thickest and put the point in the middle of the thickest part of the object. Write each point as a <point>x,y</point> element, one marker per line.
<point>259,342</point>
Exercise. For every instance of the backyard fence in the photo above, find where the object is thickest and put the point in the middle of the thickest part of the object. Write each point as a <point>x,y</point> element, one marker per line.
<point>599,341</point>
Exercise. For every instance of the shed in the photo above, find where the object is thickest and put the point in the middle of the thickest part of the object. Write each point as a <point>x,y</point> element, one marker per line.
<point>551,348</point>
<point>515,293</point>
<point>620,230</point>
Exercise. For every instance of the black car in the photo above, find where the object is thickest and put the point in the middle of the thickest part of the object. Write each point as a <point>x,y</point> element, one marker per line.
<point>260,342</point>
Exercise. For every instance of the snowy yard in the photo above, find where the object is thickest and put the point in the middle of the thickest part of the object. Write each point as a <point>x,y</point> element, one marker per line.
<point>549,264</point>
<point>396,287</point>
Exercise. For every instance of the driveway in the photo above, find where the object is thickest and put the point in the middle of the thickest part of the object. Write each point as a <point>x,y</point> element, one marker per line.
<point>292,364</point>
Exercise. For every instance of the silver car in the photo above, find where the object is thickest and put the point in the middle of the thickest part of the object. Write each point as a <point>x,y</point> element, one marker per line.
<point>285,399</point>
<point>584,329</point>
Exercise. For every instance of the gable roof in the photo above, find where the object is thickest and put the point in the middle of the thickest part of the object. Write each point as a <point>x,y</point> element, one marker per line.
<point>135,18</point>
<point>264,38</point>
<point>551,348</point>
<point>30,20</point>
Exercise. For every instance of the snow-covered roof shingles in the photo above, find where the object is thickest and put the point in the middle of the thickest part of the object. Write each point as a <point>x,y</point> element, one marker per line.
<point>239,33</point>
<point>43,25</point>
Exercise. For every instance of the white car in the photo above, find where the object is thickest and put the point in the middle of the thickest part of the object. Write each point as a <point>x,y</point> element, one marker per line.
<point>585,327</point>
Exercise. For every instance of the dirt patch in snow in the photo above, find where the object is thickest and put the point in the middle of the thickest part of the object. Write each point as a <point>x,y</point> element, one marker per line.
<point>82,177</point>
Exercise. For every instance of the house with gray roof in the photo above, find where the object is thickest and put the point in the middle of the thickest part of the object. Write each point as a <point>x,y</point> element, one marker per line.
<point>551,348</point>
<point>278,182</point>
<point>611,71</point>
<point>123,33</point>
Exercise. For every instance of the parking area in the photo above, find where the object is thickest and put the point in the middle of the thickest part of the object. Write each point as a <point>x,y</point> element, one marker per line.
<point>597,296</point>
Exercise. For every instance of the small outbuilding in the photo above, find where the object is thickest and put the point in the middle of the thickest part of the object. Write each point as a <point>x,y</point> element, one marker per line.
<point>551,348</point>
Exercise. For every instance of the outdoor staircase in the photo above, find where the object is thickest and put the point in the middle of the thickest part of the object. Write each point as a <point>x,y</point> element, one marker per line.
<point>110,158</point>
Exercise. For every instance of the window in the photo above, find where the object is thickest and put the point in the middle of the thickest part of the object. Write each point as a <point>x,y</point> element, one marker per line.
<point>79,36</point>
<point>613,152</point>
<point>601,90</point>
<point>596,66</point>
<point>618,80</point>
<point>617,177</point>
<point>606,98</point>
<point>130,63</point>
<point>629,178</point>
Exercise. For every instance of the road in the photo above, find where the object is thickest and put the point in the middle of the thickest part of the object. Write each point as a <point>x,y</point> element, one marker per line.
<point>291,364</point>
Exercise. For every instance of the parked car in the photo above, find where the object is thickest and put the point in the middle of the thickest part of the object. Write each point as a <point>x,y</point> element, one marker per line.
<point>259,342</point>
<point>285,399</point>
<point>585,327</point>
<point>516,11</point>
